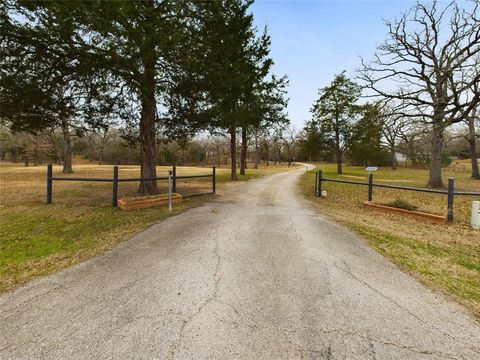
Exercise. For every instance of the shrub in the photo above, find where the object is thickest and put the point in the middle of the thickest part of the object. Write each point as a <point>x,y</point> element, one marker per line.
<point>402,204</point>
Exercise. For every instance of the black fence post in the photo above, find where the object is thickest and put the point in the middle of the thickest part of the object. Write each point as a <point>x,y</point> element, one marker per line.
<point>319,186</point>
<point>115,186</point>
<point>174,179</point>
<point>450,198</point>
<point>370,187</point>
<point>49,183</point>
<point>214,181</point>
<point>316,182</point>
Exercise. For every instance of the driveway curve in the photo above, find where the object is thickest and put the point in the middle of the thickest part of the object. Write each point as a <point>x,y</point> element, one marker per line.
<point>255,275</point>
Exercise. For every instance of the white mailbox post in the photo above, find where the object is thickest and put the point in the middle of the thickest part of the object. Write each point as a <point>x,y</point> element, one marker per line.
<point>371,169</point>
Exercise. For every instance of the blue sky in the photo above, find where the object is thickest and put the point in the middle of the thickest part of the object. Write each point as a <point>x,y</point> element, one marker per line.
<point>314,40</point>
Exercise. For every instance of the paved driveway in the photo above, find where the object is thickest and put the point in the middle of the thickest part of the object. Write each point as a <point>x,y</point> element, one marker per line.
<point>256,275</point>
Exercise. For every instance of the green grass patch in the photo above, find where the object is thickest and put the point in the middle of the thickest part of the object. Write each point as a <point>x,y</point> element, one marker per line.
<point>42,239</point>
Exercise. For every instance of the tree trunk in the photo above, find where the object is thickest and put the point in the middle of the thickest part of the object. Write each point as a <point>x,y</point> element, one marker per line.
<point>100,156</point>
<point>13,153</point>
<point>339,162</point>
<point>103,144</point>
<point>338,152</point>
<point>435,176</point>
<point>67,147</point>
<point>256,151</point>
<point>233,154</point>
<point>243,153</point>
<point>147,148</point>
<point>413,154</point>
<point>218,156</point>
<point>36,160</point>
<point>100,152</point>
<point>394,159</point>
<point>473,150</point>
<point>267,154</point>
<point>147,118</point>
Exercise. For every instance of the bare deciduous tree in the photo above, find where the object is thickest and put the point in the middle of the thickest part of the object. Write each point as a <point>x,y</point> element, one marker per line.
<point>100,140</point>
<point>289,136</point>
<point>433,55</point>
<point>472,137</point>
<point>394,128</point>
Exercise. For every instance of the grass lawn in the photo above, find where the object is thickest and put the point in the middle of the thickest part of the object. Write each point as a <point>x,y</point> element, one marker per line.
<point>443,256</point>
<point>37,239</point>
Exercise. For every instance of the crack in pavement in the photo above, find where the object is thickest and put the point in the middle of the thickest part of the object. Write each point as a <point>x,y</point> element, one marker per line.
<point>413,348</point>
<point>347,270</point>
<point>216,281</point>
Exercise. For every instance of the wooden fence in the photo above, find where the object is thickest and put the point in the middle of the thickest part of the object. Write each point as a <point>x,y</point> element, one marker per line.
<point>115,180</point>
<point>450,192</point>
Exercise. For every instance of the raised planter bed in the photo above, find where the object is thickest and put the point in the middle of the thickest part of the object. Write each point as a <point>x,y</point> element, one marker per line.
<point>141,202</point>
<point>419,214</point>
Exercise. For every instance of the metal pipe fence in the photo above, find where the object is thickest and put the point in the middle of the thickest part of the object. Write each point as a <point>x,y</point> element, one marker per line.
<point>115,180</point>
<point>450,192</point>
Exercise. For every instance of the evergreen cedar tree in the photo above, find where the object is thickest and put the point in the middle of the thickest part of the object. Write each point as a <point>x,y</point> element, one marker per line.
<point>80,64</point>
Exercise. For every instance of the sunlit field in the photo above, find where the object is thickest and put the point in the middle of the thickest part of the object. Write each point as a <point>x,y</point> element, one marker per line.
<point>445,256</point>
<point>38,239</point>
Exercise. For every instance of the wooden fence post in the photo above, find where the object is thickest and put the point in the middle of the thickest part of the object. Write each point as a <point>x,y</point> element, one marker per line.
<point>316,182</point>
<point>370,187</point>
<point>451,187</point>
<point>115,186</point>
<point>49,183</point>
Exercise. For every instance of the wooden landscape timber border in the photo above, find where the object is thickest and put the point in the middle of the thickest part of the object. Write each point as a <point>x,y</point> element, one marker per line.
<point>420,214</point>
<point>115,180</point>
<point>450,192</point>
<point>148,201</point>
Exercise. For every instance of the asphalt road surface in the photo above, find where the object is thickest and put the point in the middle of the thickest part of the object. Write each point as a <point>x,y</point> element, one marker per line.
<point>255,275</point>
